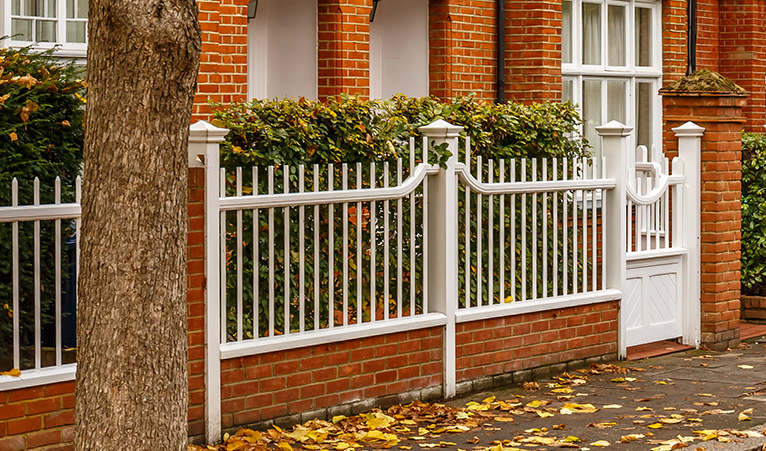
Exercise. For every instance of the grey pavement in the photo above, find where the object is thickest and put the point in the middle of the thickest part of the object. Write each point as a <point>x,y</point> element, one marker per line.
<point>705,390</point>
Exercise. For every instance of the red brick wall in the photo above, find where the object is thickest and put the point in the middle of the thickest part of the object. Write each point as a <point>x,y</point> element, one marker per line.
<point>504,345</point>
<point>223,63</point>
<point>721,115</point>
<point>674,40</point>
<point>534,51</point>
<point>276,384</point>
<point>195,301</point>
<point>463,48</point>
<point>344,47</point>
<point>38,417</point>
<point>707,34</point>
<point>743,54</point>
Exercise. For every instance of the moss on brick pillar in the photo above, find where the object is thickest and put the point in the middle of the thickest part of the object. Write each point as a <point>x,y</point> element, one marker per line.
<point>716,103</point>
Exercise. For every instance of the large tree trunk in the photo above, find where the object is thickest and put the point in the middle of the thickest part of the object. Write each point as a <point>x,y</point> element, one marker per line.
<point>143,59</point>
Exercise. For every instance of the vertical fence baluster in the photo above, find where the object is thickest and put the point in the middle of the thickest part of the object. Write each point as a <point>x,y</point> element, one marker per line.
<point>594,226</point>
<point>555,208</point>
<point>316,251</point>
<point>57,257</point>
<point>544,223</point>
<point>331,250</point>
<point>513,233</point>
<point>16,307</point>
<point>479,235</point>
<point>399,297</point>
<point>565,201</point>
<point>344,247</point>
<point>386,245</point>
<point>38,293</point>
<point>302,253</point>
<point>502,235</point>
<point>584,228</point>
<point>412,231</point>
<point>223,246</point>
<point>359,247</point>
<point>271,254</point>
<point>575,225</point>
<point>491,240</point>
<point>373,246</point>
<point>287,260</point>
<point>523,225</point>
<point>467,276</point>
<point>535,220</point>
<point>425,223</point>
<point>604,236</point>
<point>256,259</point>
<point>666,209</point>
<point>240,291</point>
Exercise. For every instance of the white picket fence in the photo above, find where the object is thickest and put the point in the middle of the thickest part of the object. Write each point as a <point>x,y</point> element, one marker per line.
<point>299,256</point>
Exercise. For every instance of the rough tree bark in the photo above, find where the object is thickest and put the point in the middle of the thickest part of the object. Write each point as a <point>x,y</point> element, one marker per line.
<point>131,390</point>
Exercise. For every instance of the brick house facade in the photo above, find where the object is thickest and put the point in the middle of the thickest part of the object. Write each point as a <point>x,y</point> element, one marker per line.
<point>545,58</point>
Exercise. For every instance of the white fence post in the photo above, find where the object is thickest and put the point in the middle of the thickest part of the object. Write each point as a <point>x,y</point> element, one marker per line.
<point>204,152</point>
<point>442,243</point>
<point>614,137</point>
<point>689,151</point>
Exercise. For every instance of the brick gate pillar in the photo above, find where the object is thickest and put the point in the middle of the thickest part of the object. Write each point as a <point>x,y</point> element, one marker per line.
<point>715,103</point>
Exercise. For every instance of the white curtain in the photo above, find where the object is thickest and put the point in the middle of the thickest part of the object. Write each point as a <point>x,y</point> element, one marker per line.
<point>616,35</point>
<point>566,31</point>
<point>591,33</point>
<point>591,113</point>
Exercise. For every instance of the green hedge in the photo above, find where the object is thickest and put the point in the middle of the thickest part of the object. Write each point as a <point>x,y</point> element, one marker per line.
<point>41,135</point>
<point>349,130</point>
<point>754,214</point>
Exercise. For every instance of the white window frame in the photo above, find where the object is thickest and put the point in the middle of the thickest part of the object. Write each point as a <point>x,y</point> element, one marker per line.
<point>631,73</point>
<point>65,49</point>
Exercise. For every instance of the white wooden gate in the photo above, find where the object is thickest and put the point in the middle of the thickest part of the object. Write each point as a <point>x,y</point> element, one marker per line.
<point>662,228</point>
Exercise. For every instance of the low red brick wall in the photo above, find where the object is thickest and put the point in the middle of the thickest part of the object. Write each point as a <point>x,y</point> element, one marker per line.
<point>511,346</point>
<point>38,417</point>
<point>754,308</point>
<point>330,379</point>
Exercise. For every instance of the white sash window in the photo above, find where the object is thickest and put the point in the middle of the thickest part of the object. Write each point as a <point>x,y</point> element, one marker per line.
<point>612,65</point>
<point>46,23</point>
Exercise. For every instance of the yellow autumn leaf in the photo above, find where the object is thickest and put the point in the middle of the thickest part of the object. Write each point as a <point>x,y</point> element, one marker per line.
<point>338,418</point>
<point>379,421</point>
<point>655,426</point>
<point>562,390</point>
<point>235,445</point>
<point>743,417</point>
<point>423,431</point>
<point>670,420</point>
<point>460,416</point>
<point>539,440</point>
<point>571,439</point>
<point>601,443</point>
<point>631,437</point>
<point>534,404</point>
<point>581,408</point>
<point>284,446</point>
<point>508,299</point>
<point>745,367</point>
<point>490,399</point>
<point>542,414</point>
<point>504,419</point>
<point>613,406</point>
<point>643,409</point>
<point>13,136</point>
<point>15,372</point>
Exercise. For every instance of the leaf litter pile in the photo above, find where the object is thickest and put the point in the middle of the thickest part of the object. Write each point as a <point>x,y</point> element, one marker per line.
<point>430,425</point>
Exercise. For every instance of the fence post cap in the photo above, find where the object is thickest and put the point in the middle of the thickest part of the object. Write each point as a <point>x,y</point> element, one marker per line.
<point>205,132</point>
<point>614,128</point>
<point>689,129</point>
<point>440,129</point>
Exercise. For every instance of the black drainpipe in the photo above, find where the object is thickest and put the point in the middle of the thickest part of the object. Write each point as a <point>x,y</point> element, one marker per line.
<point>691,65</point>
<point>500,51</point>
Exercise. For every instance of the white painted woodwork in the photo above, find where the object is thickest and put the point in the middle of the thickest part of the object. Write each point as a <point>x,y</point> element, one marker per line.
<point>282,50</point>
<point>399,49</point>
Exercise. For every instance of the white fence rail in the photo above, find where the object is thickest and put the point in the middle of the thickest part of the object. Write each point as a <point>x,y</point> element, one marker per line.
<point>37,281</point>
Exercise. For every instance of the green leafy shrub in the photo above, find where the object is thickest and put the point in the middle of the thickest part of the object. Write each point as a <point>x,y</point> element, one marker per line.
<point>287,133</point>
<point>754,214</point>
<point>41,135</point>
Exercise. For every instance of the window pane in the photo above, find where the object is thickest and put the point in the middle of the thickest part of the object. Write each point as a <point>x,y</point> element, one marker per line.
<point>616,101</point>
<point>644,101</point>
<point>46,31</point>
<point>591,33</point>
<point>70,9</point>
<point>51,10</point>
<point>82,9</point>
<point>21,29</point>
<point>15,7</point>
<point>566,31</point>
<point>616,35</point>
<point>643,37</point>
<point>591,113</point>
<point>567,90</point>
<point>75,32</point>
